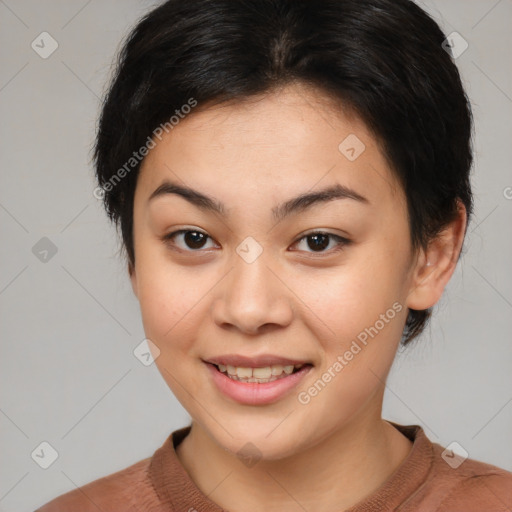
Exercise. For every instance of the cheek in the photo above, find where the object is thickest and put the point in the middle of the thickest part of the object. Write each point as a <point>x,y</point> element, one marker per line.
<point>360,304</point>
<point>169,297</point>
<point>353,296</point>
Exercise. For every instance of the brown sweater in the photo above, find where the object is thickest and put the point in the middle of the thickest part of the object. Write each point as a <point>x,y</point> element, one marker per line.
<point>424,482</point>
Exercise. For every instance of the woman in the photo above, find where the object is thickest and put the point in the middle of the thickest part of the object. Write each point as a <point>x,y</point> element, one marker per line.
<point>291,179</point>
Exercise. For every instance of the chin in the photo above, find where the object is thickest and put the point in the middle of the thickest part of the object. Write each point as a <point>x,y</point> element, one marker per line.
<point>259,442</point>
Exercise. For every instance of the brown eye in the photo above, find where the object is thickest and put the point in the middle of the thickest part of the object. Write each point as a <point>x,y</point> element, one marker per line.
<point>319,241</point>
<point>190,239</point>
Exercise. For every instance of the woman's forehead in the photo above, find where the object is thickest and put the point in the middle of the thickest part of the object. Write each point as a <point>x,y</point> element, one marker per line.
<point>289,140</point>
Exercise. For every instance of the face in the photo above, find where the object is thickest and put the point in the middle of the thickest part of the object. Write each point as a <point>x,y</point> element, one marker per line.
<point>249,272</point>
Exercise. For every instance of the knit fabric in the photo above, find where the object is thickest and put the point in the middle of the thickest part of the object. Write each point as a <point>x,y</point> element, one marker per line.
<point>424,482</point>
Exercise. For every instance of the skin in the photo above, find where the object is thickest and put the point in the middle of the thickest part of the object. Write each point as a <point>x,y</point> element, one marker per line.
<point>292,301</point>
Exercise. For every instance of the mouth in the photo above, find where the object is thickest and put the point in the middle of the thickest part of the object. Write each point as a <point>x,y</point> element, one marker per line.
<point>259,375</point>
<point>257,385</point>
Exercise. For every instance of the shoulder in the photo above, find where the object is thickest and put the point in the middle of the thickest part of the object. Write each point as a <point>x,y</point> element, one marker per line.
<point>126,487</point>
<point>472,486</point>
<point>491,492</point>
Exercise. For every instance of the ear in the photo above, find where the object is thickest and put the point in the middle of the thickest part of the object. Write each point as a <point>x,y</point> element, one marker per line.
<point>435,265</point>
<point>133,278</point>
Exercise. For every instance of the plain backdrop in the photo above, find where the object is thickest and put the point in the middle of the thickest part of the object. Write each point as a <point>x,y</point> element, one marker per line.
<point>69,320</point>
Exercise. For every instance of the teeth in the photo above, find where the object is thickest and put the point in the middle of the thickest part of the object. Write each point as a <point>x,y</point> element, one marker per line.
<point>261,373</point>
<point>265,374</point>
<point>244,372</point>
<point>277,369</point>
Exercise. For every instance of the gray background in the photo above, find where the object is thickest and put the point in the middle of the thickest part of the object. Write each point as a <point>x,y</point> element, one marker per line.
<point>70,324</point>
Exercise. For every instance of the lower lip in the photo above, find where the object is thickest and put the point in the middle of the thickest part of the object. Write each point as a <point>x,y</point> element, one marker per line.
<point>252,393</point>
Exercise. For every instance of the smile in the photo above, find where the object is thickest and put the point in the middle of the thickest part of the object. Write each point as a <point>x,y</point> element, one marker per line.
<point>258,385</point>
<point>259,375</point>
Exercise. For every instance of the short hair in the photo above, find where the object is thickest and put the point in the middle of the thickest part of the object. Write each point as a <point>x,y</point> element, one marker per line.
<point>384,59</point>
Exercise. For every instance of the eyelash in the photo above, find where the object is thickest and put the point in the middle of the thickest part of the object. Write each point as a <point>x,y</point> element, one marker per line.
<point>341,241</point>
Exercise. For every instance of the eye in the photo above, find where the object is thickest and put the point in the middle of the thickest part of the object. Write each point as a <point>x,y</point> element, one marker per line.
<point>319,240</point>
<point>193,239</point>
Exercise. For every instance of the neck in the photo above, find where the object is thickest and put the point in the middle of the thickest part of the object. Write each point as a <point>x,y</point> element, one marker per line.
<point>367,451</point>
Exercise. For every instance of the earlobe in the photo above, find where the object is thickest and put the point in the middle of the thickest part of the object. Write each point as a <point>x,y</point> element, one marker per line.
<point>435,265</point>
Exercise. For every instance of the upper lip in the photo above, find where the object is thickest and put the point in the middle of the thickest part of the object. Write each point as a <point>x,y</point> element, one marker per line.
<point>255,361</point>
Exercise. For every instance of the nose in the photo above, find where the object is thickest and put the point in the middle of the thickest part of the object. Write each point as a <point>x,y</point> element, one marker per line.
<point>252,298</point>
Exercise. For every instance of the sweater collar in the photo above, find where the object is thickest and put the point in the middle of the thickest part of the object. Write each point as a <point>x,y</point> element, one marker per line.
<point>177,491</point>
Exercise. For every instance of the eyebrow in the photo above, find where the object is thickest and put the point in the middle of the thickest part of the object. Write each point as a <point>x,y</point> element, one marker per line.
<point>295,205</point>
